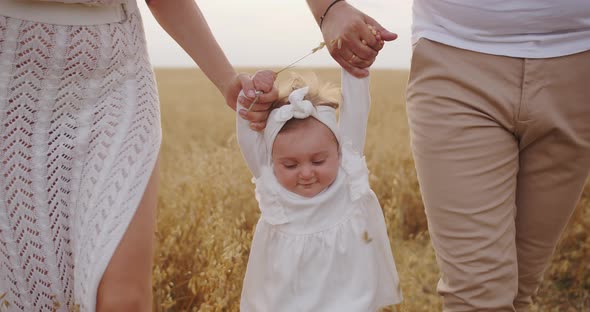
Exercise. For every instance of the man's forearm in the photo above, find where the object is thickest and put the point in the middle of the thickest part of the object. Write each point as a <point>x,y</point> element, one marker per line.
<point>318,7</point>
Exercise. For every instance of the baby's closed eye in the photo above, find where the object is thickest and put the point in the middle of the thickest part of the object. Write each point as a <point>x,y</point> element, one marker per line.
<point>290,165</point>
<point>318,162</point>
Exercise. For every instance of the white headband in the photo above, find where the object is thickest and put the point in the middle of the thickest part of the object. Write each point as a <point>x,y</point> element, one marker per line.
<point>298,108</point>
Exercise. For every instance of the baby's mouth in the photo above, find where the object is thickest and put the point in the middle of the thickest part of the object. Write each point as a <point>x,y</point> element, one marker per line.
<point>307,184</point>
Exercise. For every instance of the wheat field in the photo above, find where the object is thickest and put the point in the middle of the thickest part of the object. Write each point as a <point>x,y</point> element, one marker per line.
<point>207,210</point>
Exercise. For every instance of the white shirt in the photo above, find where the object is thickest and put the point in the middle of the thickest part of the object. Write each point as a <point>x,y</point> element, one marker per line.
<point>519,28</point>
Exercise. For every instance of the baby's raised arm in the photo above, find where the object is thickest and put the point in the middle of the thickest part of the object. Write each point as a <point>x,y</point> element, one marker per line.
<point>354,111</point>
<point>250,140</point>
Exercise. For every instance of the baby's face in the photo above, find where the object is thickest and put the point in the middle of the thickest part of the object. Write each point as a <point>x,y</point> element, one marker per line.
<point>305,158</point>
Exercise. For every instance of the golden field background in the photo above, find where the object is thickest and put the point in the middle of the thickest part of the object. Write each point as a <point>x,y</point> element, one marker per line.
<point>207,210</point>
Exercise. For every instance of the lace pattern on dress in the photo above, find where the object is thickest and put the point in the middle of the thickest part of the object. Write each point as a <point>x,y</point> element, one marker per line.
<point>88,2</point>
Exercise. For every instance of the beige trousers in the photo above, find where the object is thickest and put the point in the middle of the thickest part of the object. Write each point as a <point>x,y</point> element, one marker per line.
<point>502,152</point>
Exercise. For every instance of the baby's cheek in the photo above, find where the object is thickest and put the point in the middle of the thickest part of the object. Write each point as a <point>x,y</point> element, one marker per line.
<point>328,174</point>
<point>283,176</point>
<point>334,173</point>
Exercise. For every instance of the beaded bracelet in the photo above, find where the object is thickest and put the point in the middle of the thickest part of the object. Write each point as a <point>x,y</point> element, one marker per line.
<point>326,12</point>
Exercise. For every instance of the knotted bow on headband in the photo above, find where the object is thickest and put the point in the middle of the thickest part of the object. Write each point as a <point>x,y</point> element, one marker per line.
<point>298,108</point>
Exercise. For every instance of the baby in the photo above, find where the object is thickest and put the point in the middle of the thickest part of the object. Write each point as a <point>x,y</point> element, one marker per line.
<point>321,243</point>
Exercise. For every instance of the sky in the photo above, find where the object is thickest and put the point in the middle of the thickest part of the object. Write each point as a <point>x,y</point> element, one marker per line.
<point>274,33</point>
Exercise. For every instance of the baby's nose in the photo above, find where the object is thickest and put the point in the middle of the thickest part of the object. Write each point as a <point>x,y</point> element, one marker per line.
<point>306,172</point>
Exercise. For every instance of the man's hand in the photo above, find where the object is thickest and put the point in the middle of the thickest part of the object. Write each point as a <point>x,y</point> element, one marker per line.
<point>354,39</point>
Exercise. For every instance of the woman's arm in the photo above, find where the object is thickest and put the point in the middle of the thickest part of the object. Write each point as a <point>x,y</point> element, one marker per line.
<point>184,22</point>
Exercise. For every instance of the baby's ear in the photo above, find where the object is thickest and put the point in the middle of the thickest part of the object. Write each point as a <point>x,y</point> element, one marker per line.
<point>264,80</point>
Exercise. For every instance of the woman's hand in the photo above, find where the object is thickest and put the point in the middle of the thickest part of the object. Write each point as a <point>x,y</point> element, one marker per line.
<point>262,81</point>
<point>354,39</point>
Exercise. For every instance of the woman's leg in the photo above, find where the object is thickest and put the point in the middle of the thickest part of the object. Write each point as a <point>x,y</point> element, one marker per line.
<point>126,284</point>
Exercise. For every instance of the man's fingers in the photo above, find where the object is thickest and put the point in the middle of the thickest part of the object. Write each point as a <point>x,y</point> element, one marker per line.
<point>385,34</point>
<point>355,51</point>
<point>355,71</point>
<point>355,60</point>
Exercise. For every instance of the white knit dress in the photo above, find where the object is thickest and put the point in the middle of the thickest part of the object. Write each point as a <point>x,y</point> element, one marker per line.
<point>327,253</point>
<point>79,137</point>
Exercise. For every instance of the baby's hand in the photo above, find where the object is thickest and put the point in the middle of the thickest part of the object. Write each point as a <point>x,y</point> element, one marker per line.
<point>264,80</point>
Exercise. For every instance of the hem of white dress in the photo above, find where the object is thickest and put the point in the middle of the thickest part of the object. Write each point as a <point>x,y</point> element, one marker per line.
<point>388,303</point>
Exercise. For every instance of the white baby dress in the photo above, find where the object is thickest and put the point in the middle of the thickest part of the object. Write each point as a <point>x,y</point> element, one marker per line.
<point>330,252</point>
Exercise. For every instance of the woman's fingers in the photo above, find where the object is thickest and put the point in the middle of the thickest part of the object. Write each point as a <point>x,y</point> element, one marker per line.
<point>257,109</point>
<point>258,126</point>
<point>262,102</point>
<point>257,119</point>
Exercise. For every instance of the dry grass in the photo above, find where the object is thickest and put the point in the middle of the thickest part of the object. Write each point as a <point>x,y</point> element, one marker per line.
<point>207,209</point>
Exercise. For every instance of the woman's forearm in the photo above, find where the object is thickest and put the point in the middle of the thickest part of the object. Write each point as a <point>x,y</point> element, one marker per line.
<point>184,22</point>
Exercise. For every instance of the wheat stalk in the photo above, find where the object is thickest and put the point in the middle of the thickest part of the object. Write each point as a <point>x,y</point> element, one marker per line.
<point>314,50</point>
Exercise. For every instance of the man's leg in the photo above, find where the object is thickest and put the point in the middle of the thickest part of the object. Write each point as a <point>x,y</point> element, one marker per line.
<point>554,160</point>
<point>461,108</point>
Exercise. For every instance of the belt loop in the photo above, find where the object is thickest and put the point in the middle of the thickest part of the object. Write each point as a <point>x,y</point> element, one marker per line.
<point>125,13</point>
